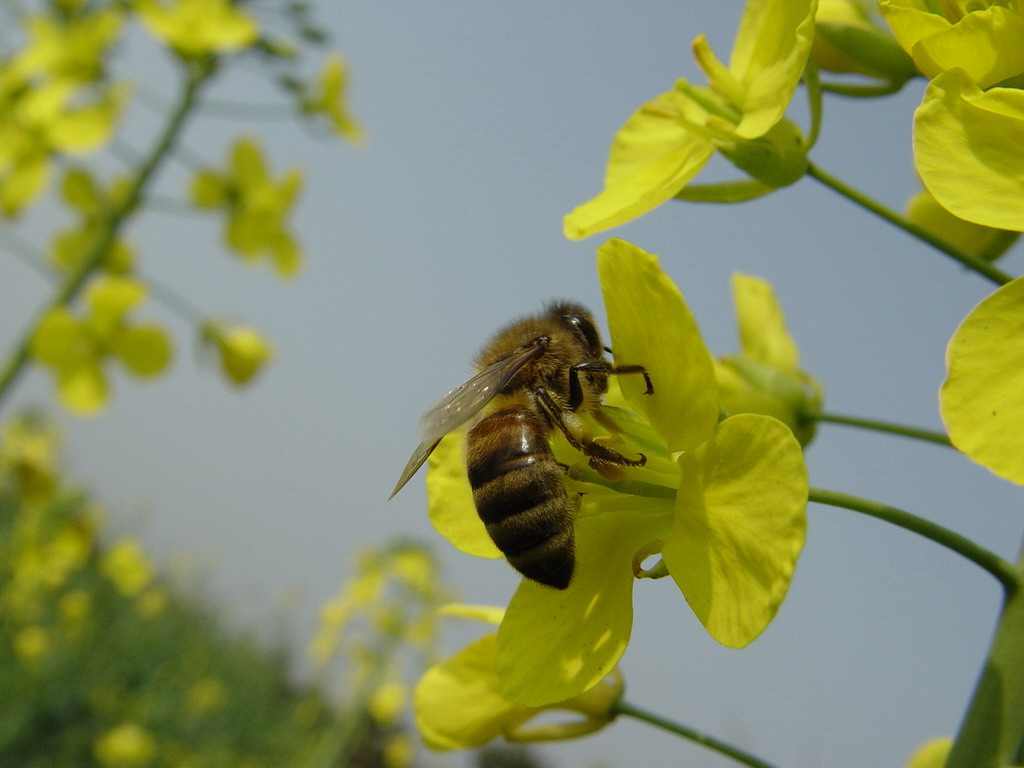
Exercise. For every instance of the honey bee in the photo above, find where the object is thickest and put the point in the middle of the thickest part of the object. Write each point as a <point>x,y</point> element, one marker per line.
<point>543,372</point>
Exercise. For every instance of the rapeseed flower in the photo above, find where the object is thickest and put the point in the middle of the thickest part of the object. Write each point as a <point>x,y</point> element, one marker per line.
<point>459,703</point>
<point>329,96</point>
<point>982,398</point>
<point>128,745</point>
<point>666,142</point>
<point>76,348</point>
<point>985,242</point>
<point>722,503</point>
<point>766,376</point>
<point>196,28</point>
<point>257,206</point>
<point>243,351</point>
<point>967,146</point>
<point>40,120</point>
<point>980,37</point>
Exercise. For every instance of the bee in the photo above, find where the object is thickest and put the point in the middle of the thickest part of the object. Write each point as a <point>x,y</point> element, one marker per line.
<point>542,373</point>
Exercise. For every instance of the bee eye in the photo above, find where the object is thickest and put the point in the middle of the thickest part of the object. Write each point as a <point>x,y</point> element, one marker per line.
<point>587,332</point>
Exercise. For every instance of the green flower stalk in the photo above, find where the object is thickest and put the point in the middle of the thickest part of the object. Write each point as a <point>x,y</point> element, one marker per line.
<point>722,503</point>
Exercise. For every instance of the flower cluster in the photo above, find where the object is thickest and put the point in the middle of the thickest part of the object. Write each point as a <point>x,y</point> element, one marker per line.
<point>55,99</point>
<point>666,142</point>
<point>721,502</point>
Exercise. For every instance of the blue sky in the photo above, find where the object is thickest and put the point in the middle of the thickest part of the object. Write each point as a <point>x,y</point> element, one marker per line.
<point>486,122</point>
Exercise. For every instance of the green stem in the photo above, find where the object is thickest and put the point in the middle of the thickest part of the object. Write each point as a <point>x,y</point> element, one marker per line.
<point>623,708</point>
<point>67,292</point>
<point>1009,576</point>
<point>969,260</point>
<point>993,729</point>
<point>879,426</point>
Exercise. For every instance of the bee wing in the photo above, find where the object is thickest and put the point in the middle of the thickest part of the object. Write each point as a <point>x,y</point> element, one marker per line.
<point>460,405</point>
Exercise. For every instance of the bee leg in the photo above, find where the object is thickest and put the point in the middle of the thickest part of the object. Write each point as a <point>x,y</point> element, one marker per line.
<point>620,369</point>
<point>575,388</point>
<point>577,436</point>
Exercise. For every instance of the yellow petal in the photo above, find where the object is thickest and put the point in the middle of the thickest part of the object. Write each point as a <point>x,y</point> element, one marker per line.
<point>145,350</point>
<point>763,334</point>
<point>652,157</point>
<point>458,703</point>
<point>554,644</point>
<point>739,527</point>
<point>769,56</point>
<point>450,500</point>
<point>924,210</point>
<point>651,325</point>
<point>83,388</point>
<point>931,754</point>
<point>967,150</point>
<point>982,398</point>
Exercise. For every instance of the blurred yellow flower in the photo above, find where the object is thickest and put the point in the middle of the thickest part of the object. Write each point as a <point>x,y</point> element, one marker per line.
<point>128,745</point>
<point>387,702</point>
<point>39,120</point>
<point>199,27</point>
<point>931,754</point>
<point>152,602</point>
<point>127,567</point>
<point>205,696</point>
<point>32,643</point>
<point>93,204</point>
<point>243,351</point>
<point>70,47</point>
<point>76,348</point>
<point>329,96</point>
<point>28,455</point>
<point>257,205</point>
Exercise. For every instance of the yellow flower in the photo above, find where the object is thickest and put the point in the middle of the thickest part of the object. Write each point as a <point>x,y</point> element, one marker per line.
<point>723,503</point>
<point>766,376</point>
<point>982,398</point>
<point>243,351</point>
<point>967,150</point>
<point>199,27</point>
<point>69,47</point>
<point>28,454</point>
<point>986,242</point>
<point>205,696</point>
<point>40,120</point>
<point>328,97</point>
<point>668,140</point>
<point>982,38</point>
<point>257,206</point>
<point>127,566</point>
<point>93,204</point>
<point>459,703</point>
<point>152,602</point>
<point>76,348</point>
<point>32,643</point>
<point>128,745</point>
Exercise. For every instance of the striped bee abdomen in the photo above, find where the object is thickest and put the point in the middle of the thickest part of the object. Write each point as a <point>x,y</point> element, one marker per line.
<point>520,495</point>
